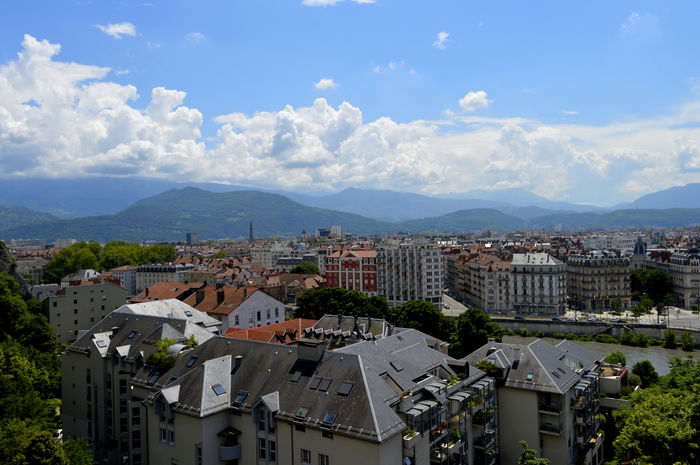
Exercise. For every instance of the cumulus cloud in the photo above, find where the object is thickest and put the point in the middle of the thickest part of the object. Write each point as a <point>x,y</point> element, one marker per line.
<point>118,30</point>
<point>441,39</point>
<point>474,100</point>
<point>326,83</point>
<point>62,119</point>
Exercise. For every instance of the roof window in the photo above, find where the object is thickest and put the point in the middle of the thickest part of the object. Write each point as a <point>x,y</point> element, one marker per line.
<point>219,389</point>
<point>325,384</point>
<point>330,417</point>
<point>132,334</point>
<point>101,344</point>
<point>345,388</point>
<point>530,376</point>
<point>191,361</point>
<point>188,313</point>
<point>240,397</point>
<point>302,412</point>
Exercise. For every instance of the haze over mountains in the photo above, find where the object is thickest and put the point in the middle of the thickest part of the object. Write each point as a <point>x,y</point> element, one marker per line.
<point>224,213</point>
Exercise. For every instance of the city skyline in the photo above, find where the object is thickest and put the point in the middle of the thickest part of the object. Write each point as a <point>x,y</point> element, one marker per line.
<point>598,105</point>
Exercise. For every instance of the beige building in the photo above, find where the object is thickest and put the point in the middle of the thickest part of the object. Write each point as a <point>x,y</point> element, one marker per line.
<point>548,397</point>
<point>594,281</point>
<point>408,271</point>
<point>684,271</point>
<point>127,278</point>
<point>98,403</point>
<point>485,282</point>
<point>76,308</point>
<point>391,400</point>
<point>537,284</point>
<point>148,275</point>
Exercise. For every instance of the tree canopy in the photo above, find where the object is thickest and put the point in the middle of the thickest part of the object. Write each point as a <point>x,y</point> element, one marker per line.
<point>474,328</point>
<point>529,456</point>
<point>90,255</point>
<point>654,283</point>
<point>305,268</point>
<point>617,357</point>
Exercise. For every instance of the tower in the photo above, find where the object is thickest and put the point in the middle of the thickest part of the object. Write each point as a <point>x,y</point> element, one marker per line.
<point>250,239</point>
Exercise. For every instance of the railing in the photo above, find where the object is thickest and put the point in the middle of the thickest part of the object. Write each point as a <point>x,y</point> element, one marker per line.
<point>230,452</point>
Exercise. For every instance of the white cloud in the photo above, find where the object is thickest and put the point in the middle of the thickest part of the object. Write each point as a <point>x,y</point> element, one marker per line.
<point>441,39</point>
<point>570,112</point>
<point>629,23</point>
<point>62,119</point>
<point>121,72</point>
<point>326,83</point>
<point>474,100</point>
<point>195,37</point>
<point>118,30</point>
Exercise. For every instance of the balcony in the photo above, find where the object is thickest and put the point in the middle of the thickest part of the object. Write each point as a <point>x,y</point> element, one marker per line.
<point>549,408</point>
<point>550,428</point>
<point>230,452</point>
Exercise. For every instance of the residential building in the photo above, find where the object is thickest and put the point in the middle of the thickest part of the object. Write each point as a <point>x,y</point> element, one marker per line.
<point>63,243</point>
<point>127,278</point>
<point>410,270</point>
<point>485,281</point>
<point>267,253</point>
<point>609,242</point>
<point>42,291</point>
<point>148,275</point>
<point>96,370</point>
<point>548,397</point>
<point>78,277</point>
<point>254,402</point>
<point>32,266</point>
<point>537,284</point>
<point>684,272</point>
<point>80,307</point>
<point>353,270</point>
<point>284,332</point>
<point>191,238</point>
<point>594,281</point>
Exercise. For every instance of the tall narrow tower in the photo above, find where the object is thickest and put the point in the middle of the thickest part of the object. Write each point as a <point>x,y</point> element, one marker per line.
<point>250,239</point>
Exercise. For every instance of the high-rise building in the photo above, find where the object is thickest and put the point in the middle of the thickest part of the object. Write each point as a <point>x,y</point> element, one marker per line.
<point>192,238</point>
<point>410,270</point>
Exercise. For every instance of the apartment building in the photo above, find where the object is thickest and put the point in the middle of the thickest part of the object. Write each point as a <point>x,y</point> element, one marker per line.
<point>594,281</point>
<point>684,272</point>
<point>97,399</point>
<point>148,275</point>
<point>32,266</point>
<point>127,278</point>
<point>76,308</point>
<point>609,242</point>
<point>268,253</point>
<point>548,397</point>
<point>410,270</point>
<point>537,284</point>
<point>371,402</point>
<point>353,270</point>
<point>485,283</point>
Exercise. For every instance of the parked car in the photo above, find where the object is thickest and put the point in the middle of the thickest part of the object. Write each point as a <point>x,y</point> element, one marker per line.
<point>518,317</point>
<point>556,318</point>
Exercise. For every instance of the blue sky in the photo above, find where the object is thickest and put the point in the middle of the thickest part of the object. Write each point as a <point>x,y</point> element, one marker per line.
<point>595,102</point>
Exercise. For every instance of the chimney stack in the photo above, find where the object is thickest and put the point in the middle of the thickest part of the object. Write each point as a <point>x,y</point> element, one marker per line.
<point>219,296</point>
<point>199,297</point>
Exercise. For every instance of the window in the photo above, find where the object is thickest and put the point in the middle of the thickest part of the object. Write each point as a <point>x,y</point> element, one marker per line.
<point>135,416</point>
<point>258,315</point>
<point>323,459</point>
<point>122,386</point>
<point>191,361</point>
<point>262,413</point>
<point>198,459</point>
<point>273,451</point>
<point>268,313</point>
<point>240,397</point>
<point>277,312</point>
<point>330,417</point>
<point>219,389</point>
<point>236,320</point>
<point>305,456</point>
<point>262,450</point>
<point>328,434</point>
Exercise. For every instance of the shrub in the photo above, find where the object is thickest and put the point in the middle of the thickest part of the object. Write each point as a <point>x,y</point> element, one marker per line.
<point>687,342</point>
<point>670,339</point>
<point>654,342</point>
<point>633,380</point>
<point>558,336</point>
<point>571,336</point>
<point>585,337</point>
<point>524,332</point>
<point>641,340</point>
<point>646,372</point>
<point>510,332</point>
<point>606,339</point>
<point>628,339</point>
<point>539,334</point>
<point>617,358</point>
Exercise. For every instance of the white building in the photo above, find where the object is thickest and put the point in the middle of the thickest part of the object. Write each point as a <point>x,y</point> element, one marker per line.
<point>410,270</point>
<point>148,275</point>
<point>609,242</point>
<point>127,277</point>
<point>537,284</point>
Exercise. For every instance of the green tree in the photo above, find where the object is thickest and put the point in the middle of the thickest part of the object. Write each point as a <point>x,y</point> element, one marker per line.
<point>529,456</point>
<point>120,253</point>
<point>670,339</point>
<point>487,367</point>
<point>617,358</point>
<point>158,253</point>
<point>79,256</point>
<point>305,268</point>
<point>616,305</point>
<point>161,360</point>
<point>646,372</point>
<point>78,452</point>
<point>660,310</point>
<point>474,328</point>
<point>315,303</point>
<point>654,283</point>
<point>425,317</point>
<point>687,341</point>
<point>22,443</point>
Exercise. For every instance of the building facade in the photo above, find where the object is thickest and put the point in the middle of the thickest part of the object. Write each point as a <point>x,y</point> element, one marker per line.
<point>408,271</point>
<point>537,284</point>
<point>684,273</point>
<point>76,308</point>
<point>353,270</point>
<point>148,275</point>
<point>595,281</point>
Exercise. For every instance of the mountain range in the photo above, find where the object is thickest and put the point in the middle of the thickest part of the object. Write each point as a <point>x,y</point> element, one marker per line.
<point>169,215</point>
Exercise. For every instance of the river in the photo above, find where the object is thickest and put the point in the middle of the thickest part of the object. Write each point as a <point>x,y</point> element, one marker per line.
<point>657,355</point>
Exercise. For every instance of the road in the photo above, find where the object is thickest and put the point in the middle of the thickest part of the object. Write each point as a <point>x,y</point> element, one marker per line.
<point>679,318</point>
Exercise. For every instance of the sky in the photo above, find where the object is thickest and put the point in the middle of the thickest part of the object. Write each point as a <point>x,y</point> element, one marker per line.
<point>590,102</point>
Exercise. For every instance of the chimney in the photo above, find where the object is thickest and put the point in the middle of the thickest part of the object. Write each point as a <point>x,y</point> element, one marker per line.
<point>199,297</point>
<point>219,296</point>
<point>245,292</point>
<point>146,292</point>
<point>310,350</point>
